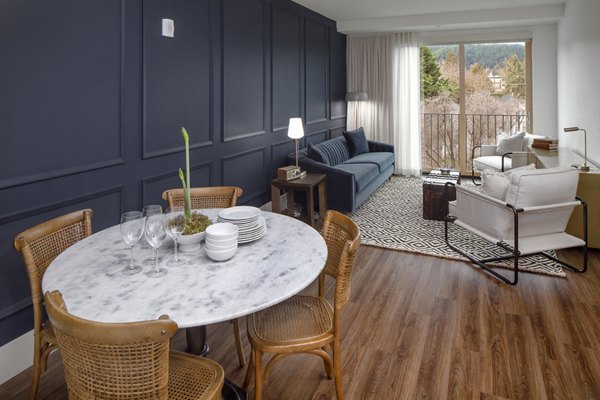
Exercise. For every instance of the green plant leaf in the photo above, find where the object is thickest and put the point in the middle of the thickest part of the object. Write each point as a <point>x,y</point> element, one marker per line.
<point>185,135</point>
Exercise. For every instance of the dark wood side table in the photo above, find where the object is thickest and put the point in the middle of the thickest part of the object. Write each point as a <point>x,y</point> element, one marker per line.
<point>306,184</point>
<point>434,205</point>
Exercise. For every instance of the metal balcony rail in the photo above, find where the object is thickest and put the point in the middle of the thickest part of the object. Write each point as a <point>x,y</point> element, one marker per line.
<point>440,140</point>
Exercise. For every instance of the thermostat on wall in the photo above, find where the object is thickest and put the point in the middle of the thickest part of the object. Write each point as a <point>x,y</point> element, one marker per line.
<point>168,27</point>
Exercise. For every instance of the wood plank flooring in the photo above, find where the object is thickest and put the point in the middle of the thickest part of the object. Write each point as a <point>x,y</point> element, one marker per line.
<point>427,328</point>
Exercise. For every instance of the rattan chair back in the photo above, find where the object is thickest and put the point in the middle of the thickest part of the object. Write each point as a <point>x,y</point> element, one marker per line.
<point>342,236</point>
<point>205,197</point>
<point>112,360</point>
<point>39,246</point>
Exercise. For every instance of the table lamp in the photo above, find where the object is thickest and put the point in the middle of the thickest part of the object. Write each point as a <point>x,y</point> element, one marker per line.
<point>585,167</point>
<point>296,132</point>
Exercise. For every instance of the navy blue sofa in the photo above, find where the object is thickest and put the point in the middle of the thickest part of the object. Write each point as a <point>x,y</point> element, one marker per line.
<point>351,181</point>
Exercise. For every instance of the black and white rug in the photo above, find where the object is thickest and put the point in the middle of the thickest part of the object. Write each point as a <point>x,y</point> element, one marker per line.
<point>392,218</point>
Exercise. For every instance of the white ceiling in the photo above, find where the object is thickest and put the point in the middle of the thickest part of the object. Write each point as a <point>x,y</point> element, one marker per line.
<point>389,15</point>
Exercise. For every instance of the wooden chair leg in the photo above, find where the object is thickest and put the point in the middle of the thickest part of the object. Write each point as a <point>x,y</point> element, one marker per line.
<point>327,367</point>
<point>36,371</point>
<point>238,343</point>
<point>337,369</point>
<point>249,371</point>
<point>258,375</point>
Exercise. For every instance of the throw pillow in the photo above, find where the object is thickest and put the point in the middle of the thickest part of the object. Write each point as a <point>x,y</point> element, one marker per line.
<point>335,151</point>
<point>511,143</point>
<point>495,184</point>
<point>357,142</point>
<point>315,153</point>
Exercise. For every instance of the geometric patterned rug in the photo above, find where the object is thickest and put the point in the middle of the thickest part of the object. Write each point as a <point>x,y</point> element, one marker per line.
<point>392,218</point>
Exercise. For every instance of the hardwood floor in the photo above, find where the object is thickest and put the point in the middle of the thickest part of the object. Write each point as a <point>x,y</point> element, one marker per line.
<point>427,328</point>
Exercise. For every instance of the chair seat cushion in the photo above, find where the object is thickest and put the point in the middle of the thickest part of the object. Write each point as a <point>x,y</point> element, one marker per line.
<point>382,159</point>
<point>492,162</point>
<point>297,319</point>
<point>363,173</point>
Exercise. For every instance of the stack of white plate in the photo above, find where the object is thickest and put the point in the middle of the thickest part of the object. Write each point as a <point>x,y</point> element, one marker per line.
<point>221,241</point>
<point>251,226</point>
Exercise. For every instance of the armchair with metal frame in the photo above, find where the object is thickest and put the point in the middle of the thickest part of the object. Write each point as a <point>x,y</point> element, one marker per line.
<point>489,159</point>
<point>531,220</point>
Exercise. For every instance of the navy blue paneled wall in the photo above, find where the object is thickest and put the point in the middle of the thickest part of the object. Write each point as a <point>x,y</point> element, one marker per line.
<point>92,99</point>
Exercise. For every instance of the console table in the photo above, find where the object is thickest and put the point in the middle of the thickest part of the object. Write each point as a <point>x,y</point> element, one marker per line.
<point>588,189</point>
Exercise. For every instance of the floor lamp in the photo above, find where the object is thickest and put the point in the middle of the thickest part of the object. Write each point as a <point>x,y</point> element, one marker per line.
<point>356,96</point>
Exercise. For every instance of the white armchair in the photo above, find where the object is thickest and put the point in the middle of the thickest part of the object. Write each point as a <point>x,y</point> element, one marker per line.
<point>530,220</point>
<point>510,152</point>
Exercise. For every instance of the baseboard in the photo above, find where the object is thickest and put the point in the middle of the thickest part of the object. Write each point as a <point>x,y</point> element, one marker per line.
<point>16,356</point>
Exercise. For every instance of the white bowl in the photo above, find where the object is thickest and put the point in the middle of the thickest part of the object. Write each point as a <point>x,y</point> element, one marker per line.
<point>216,247</point>
<point>221,231</point>
<point>222,242</point>
<point>220,255</point>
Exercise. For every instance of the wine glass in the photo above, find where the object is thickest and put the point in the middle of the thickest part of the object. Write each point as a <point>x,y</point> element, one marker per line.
<point>132,229</point>
<point>152,209</point>
<point>175,221</point>
<point>155,235</point>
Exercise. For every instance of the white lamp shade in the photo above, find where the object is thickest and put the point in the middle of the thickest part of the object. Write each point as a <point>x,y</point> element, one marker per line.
<point>295,129</point>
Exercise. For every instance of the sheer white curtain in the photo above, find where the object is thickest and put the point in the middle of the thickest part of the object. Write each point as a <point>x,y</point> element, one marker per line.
<point>387,67</point>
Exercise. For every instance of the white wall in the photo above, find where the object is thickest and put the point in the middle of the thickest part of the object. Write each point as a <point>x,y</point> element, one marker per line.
<point>544,77</point>
<point>578,78</point>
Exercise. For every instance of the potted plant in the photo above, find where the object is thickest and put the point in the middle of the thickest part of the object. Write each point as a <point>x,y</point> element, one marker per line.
<point>196,222</point>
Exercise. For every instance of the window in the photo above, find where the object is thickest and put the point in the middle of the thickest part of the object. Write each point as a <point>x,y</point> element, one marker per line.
<point>470,93</point>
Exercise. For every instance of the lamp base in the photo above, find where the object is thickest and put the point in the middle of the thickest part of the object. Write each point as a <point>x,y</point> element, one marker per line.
<point>302,174</point>
<point>584,168</point>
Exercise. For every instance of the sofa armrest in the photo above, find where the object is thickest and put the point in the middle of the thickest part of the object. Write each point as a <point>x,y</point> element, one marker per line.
<point>380,147</point>
<point>341,185</point>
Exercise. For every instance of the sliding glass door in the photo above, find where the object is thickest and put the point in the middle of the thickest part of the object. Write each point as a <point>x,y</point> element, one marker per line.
<point>471,93</point>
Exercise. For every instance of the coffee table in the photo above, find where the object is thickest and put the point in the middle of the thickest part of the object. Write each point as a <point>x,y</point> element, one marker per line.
<point>435,204</point>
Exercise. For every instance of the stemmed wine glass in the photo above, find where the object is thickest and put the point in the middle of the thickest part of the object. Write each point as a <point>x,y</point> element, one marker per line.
<point>175,222</point>
<point>155,235</point>
<point>132,229</point>
<point>152,209</point>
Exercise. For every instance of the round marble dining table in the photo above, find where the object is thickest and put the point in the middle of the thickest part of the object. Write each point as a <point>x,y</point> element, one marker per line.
<point>262,273</point>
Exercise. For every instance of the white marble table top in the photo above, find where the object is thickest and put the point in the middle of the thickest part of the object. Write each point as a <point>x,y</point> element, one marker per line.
<point>262,273</point>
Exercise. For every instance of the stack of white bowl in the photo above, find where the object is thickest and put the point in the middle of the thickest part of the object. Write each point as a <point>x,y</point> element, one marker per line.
<point>221,241</point>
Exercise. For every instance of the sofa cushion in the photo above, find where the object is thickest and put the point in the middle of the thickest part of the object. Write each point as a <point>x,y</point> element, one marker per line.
<point>315,153</point>
<point>491,162</point>
<point>363,173</point>
<point>538,187</point>
<point>510,143</point>
<point>335,151</point>
<point>381,159</point>
<point>357,141</point>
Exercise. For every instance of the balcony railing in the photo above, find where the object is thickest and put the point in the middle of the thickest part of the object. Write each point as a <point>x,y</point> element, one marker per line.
<point>440,146</point>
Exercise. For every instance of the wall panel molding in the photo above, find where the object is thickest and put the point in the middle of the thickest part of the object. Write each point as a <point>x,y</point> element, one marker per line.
<point>167,102</point>
<point>174,174</point>
<point>5,219</point>
<point>243,66</point>
<point>118,158</point>
<point>240,167</point>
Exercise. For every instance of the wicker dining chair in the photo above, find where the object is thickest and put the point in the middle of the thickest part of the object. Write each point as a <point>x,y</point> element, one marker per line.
<point>211,197</point>
<point>128,360</point>
<point>205,197</point>
<point>39,246</point>
<point>308,324</point>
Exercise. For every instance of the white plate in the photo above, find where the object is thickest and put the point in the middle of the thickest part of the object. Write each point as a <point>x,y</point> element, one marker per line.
<point>241,240</point>
<point>240,213</point>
